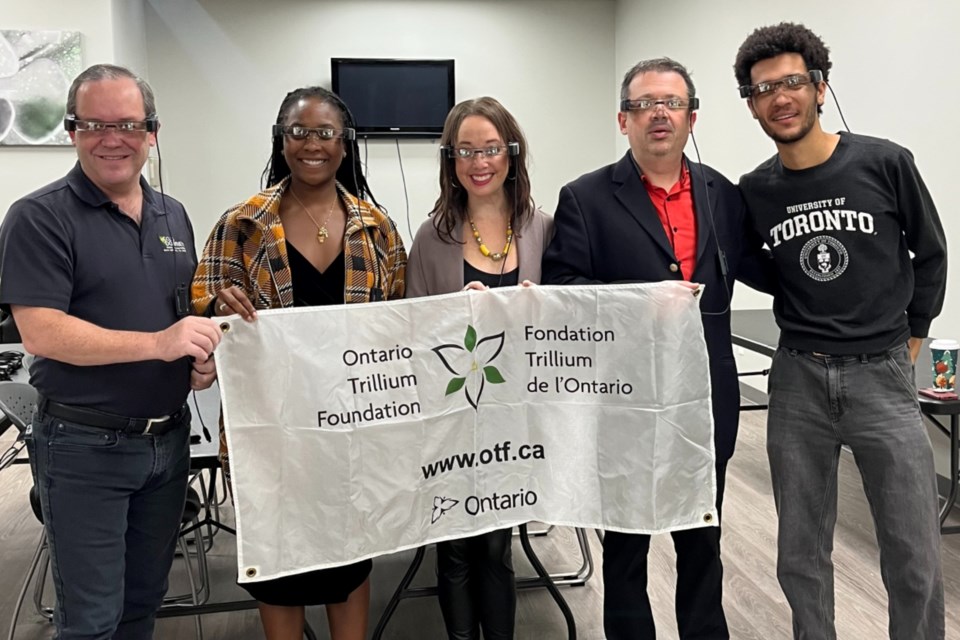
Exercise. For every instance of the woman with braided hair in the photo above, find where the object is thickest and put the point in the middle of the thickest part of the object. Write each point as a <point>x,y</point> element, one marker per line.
<point>313,236</point>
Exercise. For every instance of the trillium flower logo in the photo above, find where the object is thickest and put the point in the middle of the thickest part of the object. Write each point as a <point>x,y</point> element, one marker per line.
<point>441,505</point>
<point>470,364</point>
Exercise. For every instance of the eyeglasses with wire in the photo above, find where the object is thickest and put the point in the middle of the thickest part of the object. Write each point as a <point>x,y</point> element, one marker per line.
<point>649,104</point>
<point>323,134</point>
<point>129,127</point>
<point>467,154</point>
<point>790,83</point>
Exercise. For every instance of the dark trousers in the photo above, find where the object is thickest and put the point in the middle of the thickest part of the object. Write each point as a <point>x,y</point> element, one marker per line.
<point>699,600</point>
<point>476,586</point>
<point>111,505</point>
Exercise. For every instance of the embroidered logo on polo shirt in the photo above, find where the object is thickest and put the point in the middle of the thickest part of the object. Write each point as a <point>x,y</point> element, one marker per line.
<point>171,245</point>
<point>824,258</point>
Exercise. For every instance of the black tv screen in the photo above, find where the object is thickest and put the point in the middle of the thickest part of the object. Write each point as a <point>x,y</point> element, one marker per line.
<point>395,97</point>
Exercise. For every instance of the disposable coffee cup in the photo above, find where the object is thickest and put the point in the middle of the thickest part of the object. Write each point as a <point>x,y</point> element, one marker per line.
<point>943,358</point>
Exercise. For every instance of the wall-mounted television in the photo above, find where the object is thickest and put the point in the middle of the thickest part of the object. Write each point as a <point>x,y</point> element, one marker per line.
<point>393,98</point>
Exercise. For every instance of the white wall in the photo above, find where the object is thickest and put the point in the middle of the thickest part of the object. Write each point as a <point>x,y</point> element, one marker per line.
<point>23,169</point>
<point>220,70</point>
<point>221,67</point>
<point>892,71</point>
<point>129,36</point>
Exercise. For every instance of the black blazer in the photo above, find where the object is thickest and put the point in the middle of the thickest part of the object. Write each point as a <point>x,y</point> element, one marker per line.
<point>607,230</point>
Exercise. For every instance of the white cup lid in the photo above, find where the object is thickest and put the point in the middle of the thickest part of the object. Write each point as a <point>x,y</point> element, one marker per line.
<point>944,344</point>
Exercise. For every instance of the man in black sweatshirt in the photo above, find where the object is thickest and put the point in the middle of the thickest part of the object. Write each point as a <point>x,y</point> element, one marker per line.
<point>861,260</point>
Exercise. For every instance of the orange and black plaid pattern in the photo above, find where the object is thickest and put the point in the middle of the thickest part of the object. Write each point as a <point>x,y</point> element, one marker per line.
<point>247,248</point>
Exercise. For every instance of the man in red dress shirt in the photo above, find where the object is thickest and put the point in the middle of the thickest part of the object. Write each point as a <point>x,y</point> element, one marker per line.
<point>652,216</point>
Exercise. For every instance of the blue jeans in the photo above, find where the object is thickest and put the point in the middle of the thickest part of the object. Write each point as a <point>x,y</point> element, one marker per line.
<point>112,504</point>
<point>870,404</point>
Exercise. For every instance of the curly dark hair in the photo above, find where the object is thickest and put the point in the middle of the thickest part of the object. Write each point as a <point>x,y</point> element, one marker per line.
<point>350,173</point>
<point>786,37</point>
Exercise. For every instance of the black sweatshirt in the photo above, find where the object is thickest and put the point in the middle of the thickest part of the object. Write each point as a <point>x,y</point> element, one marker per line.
<point>842,234</point>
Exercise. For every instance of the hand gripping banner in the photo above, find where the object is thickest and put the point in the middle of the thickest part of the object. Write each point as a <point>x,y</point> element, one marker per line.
<point>359,430</point>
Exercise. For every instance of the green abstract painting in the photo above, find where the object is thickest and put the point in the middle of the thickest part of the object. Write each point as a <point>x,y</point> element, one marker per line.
<point>36,69</point>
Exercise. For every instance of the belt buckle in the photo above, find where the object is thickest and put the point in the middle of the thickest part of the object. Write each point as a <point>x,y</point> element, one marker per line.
<point>151,422</point>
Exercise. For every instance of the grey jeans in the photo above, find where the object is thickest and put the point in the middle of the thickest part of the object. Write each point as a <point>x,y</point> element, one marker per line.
<point>869,403</point>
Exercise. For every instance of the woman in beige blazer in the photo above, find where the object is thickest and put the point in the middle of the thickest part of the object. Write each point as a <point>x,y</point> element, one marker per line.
<point>484,231</point>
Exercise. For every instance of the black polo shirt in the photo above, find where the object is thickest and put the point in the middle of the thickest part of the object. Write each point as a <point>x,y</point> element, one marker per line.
<point>68,247</point>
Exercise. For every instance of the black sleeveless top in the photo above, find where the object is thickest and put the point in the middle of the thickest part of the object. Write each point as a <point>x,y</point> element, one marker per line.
<point>311,288</point>
<point>492,280</point>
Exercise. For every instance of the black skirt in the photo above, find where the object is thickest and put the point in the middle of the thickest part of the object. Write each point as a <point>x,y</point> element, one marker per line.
<point>326,586</point>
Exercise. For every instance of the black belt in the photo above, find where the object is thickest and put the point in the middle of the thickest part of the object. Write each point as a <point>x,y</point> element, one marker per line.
<point>862,357</point>
<point>102,420</point>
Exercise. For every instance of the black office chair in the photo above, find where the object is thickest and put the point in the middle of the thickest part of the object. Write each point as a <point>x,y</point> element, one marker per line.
<point>40,565</point>
<point>8,329</point>
<point>200,585</point>
<point>19,399</point>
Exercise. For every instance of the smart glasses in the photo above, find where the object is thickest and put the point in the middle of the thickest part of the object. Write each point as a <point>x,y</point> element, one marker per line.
<point>132,127</point>
<point>649,104</point>
<point>297,132</point>
<point>467,154</point>
<point>790,83</point>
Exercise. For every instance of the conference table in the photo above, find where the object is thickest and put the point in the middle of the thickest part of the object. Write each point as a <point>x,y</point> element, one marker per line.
<point>756,330</point>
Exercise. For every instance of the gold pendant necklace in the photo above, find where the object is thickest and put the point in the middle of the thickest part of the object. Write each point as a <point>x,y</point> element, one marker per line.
<point>322,233</point>
<point>496,257</point>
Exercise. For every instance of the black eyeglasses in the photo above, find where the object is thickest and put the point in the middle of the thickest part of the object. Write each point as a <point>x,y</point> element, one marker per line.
<point>671,104</point>
<point>790,83</point>
<point>324,134</point>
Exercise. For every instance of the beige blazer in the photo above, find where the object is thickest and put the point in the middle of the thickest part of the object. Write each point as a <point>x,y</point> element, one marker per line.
<point>436,267</point>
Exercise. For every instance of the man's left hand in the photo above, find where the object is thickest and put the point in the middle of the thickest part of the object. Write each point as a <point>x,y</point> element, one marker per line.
<point>914,345</point>
<point>203,374</point>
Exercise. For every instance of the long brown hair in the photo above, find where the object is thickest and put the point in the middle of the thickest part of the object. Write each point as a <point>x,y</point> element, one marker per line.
<point>451,207</point>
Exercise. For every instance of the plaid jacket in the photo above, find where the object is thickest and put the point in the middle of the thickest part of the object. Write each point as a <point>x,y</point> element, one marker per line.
<point>246,248</point>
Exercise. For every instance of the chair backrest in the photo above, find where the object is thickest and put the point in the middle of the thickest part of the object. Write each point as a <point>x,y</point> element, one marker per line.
<point>8,329</point>
<point>17,402</point>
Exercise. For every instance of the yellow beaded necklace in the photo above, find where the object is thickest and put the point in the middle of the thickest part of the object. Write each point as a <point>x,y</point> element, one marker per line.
<point>496,257</point>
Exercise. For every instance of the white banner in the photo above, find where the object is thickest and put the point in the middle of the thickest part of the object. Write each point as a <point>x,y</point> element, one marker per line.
<point>360,430</point>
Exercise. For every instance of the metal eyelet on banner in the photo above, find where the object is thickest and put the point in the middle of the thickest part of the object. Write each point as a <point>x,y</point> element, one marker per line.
<point>251,572</point>
<point>708,518</point>
<point>224,326</point>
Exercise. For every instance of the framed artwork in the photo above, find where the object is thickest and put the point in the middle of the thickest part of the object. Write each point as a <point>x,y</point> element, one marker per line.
<point>36,69</point>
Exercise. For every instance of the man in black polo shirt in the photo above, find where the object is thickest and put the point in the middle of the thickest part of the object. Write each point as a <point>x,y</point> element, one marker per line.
<point>91,267</point>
